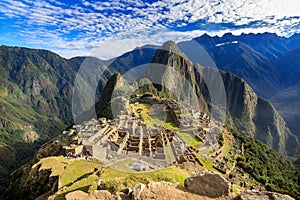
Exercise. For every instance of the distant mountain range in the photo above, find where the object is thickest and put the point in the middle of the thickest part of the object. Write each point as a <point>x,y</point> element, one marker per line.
<point>246,112</point>
<point>36,88</point>
<point>269,63</point>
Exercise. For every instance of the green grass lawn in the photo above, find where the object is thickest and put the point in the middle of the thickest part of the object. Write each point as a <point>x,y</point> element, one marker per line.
<point>120,180</point>
<point>169,154</point>
<point>189,139</point>
<point>77,168</point>
<point>56,164</point>
<point>206,163</point>
<point>115,180</point>
<point>143,111</point>
<point>123,165</point>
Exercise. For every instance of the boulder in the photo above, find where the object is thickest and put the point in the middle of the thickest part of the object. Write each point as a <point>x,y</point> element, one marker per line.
<point>101,194</point>
<point>168,191</point>
<point>77,195</point>
<point>207,183</point>
<point>254,195</point>
<point>97,194</point>
<point>164,184</point>
<point>137,190</point>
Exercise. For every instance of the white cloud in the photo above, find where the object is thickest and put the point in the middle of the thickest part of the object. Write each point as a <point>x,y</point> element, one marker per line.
<point>61,27</point>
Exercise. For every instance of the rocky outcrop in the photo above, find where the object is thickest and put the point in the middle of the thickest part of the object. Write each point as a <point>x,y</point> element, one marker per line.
<point>208,184</point>
<point>177,77</point>
<point>253,195</point>
<point>97,194</point>
<point>166,191</point>
<point>256,117</point>
<point>137,190</point>
<point>78,194</point>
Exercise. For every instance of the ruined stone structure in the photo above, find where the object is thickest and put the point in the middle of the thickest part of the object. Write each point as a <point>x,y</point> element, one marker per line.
<point>127,136</point>
<point>189,156</point>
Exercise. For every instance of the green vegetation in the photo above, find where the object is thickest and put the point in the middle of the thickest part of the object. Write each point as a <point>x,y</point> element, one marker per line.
<point>123,165</point>
<point>119,180</point>
<point>268,167</point>
<point>114,180</point>
<point>35,101</point>
<point>189,139</point>
<point>35,95</point>
<point>205,162</point>
<point>143,110</point>
<point>77,168</point>
<point>169,154</point>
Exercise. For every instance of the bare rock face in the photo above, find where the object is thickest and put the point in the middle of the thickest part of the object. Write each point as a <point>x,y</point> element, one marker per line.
<point>97,194</point>
<point>137,190</point>
<point>208,184</point>
<point>166,191</point>
<point>76,195</point>
<point>253,195</point>
<point>164,184</point>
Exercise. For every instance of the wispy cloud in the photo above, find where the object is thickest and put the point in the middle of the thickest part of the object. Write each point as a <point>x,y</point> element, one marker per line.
<point>57,25</point>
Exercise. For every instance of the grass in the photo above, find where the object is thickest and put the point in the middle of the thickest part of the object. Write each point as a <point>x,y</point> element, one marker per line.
<point>121,180</point>
<point>124,165</point>
<point>169,154</point>
<point>143,111</point>
<point>228,140</point>
<point>205,162</point>
<point>196,142</point>
<point>68,170</point>
<point>57,164</point>
<point>189,139</point>
<point>77,168</point>
<point>114,180</point>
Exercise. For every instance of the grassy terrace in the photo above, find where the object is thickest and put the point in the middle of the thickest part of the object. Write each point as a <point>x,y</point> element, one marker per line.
<point>70,172</point>
<point>143,111</point>
<point>79,174</point>
<point>120,180</point>
<point>189,139</point>
<point>123,165</point>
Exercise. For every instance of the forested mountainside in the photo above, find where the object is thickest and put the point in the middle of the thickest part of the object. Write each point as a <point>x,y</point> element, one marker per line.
<point>249,162</point>
<point>266,61</point>
<point>37,87</point>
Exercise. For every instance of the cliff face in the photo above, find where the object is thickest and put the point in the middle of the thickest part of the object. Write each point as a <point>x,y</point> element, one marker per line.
<point>35,102</point>
<point>256,117</point>
<point>269,63</point>
<point>246,112</point>
<point>174,76</point>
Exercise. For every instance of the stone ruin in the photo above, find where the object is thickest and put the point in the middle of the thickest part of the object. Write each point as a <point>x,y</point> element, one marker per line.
<point>127,136</point>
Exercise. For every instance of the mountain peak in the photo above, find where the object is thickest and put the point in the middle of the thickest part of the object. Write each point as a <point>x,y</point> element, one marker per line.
<point>171,47</point>
<point>169,50</point>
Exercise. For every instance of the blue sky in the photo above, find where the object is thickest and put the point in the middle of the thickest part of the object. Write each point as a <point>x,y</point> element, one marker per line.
<point>112,27</point>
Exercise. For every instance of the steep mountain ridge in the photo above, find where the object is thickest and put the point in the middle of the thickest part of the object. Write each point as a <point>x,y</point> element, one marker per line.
<point>269,45</point>
<point>268,62</point>
<point>241,59</point>
<point>247,113</point>
<point>36,90</point>
<point>35,86</point>
<point>256,117</point>
<point>289,67</point>
<point>246,163</point>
